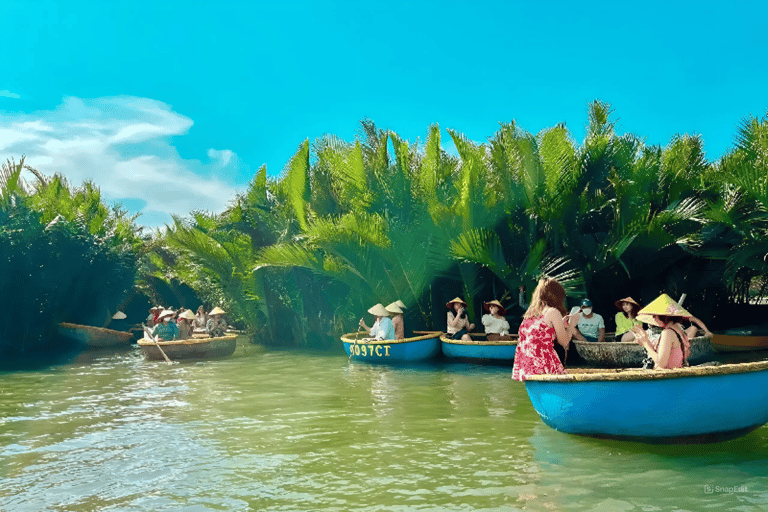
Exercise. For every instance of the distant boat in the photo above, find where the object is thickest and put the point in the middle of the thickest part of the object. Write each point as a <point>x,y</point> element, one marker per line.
<point>741,340</point>
<point>95,337</point>
<point>630,354</point>
<point>418,348</point>
<point>480,349</point>
<point>194,348</point>
<point>697,404</point>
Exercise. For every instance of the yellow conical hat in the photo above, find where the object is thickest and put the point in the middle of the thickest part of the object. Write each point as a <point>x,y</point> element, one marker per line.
<point>187,314</point>
<point>217,311</point>
<point>663,305</point>
<point>400,304</point>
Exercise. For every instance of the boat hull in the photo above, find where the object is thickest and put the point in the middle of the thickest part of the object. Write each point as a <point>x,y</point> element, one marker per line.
<point>480,350</point>
<point>684,405</point>
<point>95,337</point>
<point>630,354</point>
<point>419,348</point>
<point>737,343</point>
<point>195,348</point>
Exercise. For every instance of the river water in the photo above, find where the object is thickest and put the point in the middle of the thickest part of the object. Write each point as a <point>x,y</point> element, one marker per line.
<point>289,430</point>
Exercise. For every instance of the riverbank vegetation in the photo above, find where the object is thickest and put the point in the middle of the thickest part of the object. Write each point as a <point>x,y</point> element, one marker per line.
<point>298,258</point>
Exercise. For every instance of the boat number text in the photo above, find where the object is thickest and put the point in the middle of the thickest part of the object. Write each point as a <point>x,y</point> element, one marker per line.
<point>372,350</point>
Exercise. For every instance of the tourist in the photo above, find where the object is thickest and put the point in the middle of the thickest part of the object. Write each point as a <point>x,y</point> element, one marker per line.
<point>165,330</point>
<point>186,326</point>
<point>179,313</point>
<point>216,325</point>
<point>591,325</point>
<point>671,349</point>
<point>397,319</point>
<point>496,326</point>
<point>544,323</point>
<point>626,319</point>
<point>458,323</point>
<point>153,313</point>
<point>382,328</point>
<point>200,318</point>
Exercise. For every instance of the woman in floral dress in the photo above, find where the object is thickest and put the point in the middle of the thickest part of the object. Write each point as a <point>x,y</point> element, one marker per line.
<point>544,323</point>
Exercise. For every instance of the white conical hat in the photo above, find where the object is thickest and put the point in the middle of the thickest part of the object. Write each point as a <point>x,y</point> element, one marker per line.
<point>400,304</point>
<point>379,310</point>
<point>164,313</point>
<point>188,314</point>
<point>217,311</point>
<point>119,316</point>
<point>394,309</point>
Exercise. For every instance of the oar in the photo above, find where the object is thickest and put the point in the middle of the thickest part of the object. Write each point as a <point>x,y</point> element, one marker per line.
<point>154,339</point>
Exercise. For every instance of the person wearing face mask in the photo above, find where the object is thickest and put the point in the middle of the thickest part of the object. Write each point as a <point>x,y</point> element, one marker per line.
<point>591,326</point>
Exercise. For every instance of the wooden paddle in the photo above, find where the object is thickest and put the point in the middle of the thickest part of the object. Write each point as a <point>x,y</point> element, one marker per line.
<point>154,339</point>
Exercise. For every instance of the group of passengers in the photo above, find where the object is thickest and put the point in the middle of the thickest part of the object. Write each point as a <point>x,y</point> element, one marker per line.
<point>165,324</point>
<point>547,322</point>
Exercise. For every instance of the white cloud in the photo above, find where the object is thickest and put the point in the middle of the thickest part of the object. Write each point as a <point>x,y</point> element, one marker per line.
<point>122,145</point>
<point>9,94</point>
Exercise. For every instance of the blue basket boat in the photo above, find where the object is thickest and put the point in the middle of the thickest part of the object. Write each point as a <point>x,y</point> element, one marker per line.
<point>480,349</point>
<point>696,404</point>
<point>419,348</point>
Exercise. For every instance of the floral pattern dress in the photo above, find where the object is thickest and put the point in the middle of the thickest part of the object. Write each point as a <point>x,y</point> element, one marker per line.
<point>535,353</point>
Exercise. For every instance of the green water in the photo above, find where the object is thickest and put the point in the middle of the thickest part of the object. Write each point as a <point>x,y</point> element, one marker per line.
<point>302,431</point>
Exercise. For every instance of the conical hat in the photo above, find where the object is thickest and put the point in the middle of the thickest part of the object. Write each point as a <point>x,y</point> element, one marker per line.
<point>400,304</point>
<point>502,309</point>
<point>394,309</point>
<point>449,305</point>
<point>379,310</point>
<point>188,314</point>
<point>119,316</point>
<point>156,308</point>
<point>217,311</point>
<point>664,305</point>
<point>626,299</point>
<point>164,313</point>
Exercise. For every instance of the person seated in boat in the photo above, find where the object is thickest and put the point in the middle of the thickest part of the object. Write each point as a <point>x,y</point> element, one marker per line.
<point>544,324</point>
<point>591,325</point>
<point>458,322</point>
<point>165,330</point>
<point>152,318</point>
<point>185,324</point>
<point>495,324</point>
<point>383,328</point>
<point>216,325</point>
<point>200,318</point>
<point>626,319</point>
<point>671,349</point>
<point>696,324</point>
<point>397,319</point>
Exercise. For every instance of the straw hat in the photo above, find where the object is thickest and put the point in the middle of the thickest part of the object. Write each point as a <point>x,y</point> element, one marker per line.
<point>379,310</point>
<point>400,304</point>
<point>217,311</point>
<point>664,305</point>
<point>187,315</point>
<point>487,307</point>
<point>449,305</point>
<point>394,309</point>
<point>119,316</point>
<point>156,308</point>
<point>630,300</point>
<point>164,313</point>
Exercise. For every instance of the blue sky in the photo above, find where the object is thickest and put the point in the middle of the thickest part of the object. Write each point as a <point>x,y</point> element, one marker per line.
<point>172,106</point>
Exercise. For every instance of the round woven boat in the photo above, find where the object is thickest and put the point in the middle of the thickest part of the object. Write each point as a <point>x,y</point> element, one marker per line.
<point>95,337</point>
<point>195,348</point>
<point>630,354</point>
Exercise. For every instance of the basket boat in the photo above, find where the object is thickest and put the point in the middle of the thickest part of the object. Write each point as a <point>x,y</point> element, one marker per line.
<point>193,348</point>
<point>480,349</point>
<point>695,404</point>
<point>95,337</point>
<point>630,354</point>
<point>417,348</point>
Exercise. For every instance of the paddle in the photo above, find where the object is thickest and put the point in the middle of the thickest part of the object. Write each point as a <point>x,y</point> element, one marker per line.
<point>154,339</point>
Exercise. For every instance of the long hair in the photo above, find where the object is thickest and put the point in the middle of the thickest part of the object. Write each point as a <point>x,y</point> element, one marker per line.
<point>547,293</point>
<point>668,322</point>
<point>633,310</point>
